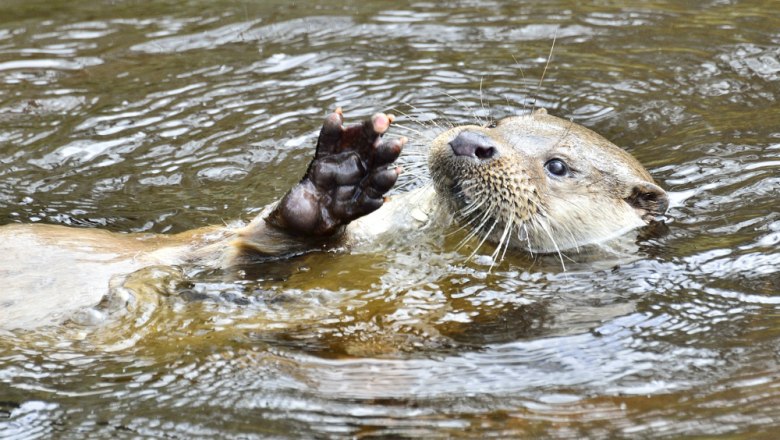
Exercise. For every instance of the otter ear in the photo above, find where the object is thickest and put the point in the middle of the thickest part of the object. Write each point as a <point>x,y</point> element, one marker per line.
<point>649,198</point>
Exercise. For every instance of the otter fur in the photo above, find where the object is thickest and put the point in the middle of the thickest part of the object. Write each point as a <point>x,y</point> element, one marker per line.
<point>533,182</point>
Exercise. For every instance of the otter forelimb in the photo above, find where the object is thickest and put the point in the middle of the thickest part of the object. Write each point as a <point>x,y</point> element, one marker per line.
<point>347,178</point>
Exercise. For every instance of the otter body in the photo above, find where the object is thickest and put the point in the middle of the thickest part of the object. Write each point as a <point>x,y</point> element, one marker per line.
<point>49,271</point>
<point>532,182</point>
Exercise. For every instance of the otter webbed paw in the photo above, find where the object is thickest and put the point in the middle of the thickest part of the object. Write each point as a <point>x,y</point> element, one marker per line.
<point>347,178</point>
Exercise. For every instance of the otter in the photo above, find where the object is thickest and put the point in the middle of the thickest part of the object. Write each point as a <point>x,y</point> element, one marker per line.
<point>535,182</point>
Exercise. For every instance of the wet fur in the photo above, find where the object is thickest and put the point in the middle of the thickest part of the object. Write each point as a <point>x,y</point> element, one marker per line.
<point>508,201</point>
<point>511,201</point>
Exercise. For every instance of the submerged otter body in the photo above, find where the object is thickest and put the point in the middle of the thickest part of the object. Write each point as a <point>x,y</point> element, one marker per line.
<point>532,182</point>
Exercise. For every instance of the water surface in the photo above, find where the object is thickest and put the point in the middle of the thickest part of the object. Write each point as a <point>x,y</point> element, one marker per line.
<point>163,117</point>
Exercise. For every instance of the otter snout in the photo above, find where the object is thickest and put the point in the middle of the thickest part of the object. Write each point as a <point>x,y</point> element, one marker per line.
<point>473,144</point>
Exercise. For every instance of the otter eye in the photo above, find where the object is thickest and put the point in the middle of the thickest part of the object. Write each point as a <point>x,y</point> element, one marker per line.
<point>556,167</point>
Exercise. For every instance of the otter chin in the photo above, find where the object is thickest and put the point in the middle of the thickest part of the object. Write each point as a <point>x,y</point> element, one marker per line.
<point>541,183</point>
<point>535,183</point>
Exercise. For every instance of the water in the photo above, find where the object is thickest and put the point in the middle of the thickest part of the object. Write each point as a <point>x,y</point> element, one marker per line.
<point>164,117</point>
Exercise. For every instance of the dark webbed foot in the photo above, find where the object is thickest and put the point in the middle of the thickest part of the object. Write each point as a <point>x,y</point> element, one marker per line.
<point>347,178</point>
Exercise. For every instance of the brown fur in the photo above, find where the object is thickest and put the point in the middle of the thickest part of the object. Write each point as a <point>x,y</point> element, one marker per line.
<point>512,199</point>
<point>51,271</point>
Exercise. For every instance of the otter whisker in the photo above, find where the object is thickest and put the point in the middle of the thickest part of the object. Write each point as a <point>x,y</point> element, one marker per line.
<point>522,75</point>
<point>433,121</point>
<point>528,238</point>
<point>564,135</point>
<point>428,125</point>
<point>484,238</point>
<point>546,65</point>
<point>413,162</point>
<point>424,125</point>
<point>572,236</point>
<point>415,131</point>
<point>509,229</point>
<point>506,98</point>
<point>415,199</point>
<point>467,107</point>
<point>481,220</point>
<point>482,103</point>
<point>476,230</point>
<point>503,241</point>
<point>468,224</point>
<point>554,224</point>
<point>549,227</point>
<point>546,229</point>
<point>472,233</point>
<point>410,168</point>
<point>473,206</point>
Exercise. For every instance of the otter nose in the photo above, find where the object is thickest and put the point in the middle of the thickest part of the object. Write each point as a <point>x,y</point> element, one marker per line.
<point>472,144</point>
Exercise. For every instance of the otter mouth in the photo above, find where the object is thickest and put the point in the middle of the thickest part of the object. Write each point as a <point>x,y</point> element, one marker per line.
<point>460,198</point>
<point>484,221</point>
<point>463,205</point>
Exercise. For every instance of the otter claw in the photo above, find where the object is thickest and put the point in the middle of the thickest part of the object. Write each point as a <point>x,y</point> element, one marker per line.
<point>347,178</point>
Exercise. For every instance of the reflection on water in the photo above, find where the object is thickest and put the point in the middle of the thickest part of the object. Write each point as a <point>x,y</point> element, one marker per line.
<point>165,117</point>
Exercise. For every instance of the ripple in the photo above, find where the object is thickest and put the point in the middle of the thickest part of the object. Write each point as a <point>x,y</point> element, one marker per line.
<point>164,118</point>
<point>750,59</point>
<point>74,64</point>
<point>31,419</point>
<point>231,33</point>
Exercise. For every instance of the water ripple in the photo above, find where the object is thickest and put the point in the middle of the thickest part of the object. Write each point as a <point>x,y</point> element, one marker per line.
<point>163,118</point>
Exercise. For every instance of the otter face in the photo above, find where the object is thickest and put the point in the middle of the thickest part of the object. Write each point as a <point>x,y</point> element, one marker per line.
<point>542,183</point>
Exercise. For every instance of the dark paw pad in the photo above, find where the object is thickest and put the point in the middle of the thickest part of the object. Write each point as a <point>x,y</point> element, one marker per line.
<point>347,179</point>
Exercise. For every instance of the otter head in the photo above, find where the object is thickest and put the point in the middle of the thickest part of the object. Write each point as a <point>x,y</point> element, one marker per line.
<point>542,183</point>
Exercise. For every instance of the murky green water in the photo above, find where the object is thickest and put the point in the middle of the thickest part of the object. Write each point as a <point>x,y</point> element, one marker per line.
<point>162,117</point>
